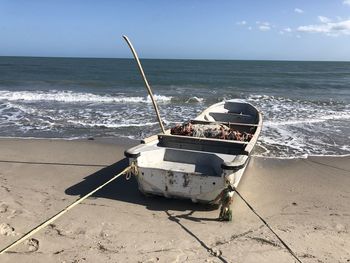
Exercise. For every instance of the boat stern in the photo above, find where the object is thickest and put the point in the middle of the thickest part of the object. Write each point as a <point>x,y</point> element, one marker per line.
<point>178,173</point>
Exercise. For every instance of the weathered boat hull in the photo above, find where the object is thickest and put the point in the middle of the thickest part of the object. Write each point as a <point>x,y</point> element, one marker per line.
<point>174,184</point>
<point>197,168</point>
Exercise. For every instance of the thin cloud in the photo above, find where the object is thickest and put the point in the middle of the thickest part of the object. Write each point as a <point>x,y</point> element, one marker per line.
<point>328,28</point>
<point>286,30</point>
<point>263,26</point>
<point>346,2</point>
<point>339,18</point>
<point>324,19</point>
<point>262,23</point>
<point>241,23</point>
<point>300,11</point>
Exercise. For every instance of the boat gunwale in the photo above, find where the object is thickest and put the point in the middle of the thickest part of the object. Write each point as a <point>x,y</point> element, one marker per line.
<point>192,138</point>
<point>250,144</point>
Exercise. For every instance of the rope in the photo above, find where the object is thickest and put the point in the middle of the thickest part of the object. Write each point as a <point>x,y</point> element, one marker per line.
<point>132,171</point>
<point>53,218</point>
<point>266,224</point>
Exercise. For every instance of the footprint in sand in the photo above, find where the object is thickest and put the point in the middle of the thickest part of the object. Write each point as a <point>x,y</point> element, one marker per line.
<point>7,230</point>
<point>340,228</point>
<point>32,244</point>
<point>3,208</point>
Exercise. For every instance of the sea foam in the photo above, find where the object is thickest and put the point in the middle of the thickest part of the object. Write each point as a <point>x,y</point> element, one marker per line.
<point>74,97</point>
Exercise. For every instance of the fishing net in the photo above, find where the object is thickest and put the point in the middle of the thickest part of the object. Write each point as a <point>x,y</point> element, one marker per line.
<point>216,131</point>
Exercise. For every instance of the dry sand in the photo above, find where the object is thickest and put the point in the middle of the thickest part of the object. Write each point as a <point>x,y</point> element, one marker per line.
<point>306,201</point>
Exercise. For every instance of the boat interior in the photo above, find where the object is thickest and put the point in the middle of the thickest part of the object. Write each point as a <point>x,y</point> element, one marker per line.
<point>177,160</point>
<point>231,112</point>
<point>202,156</point>
<point>242,117</point>
<point>201,144</point>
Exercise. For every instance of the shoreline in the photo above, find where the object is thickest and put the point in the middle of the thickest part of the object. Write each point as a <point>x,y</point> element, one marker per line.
<point>304,200</point>
<point>114,140</point>
<point>127,141</point>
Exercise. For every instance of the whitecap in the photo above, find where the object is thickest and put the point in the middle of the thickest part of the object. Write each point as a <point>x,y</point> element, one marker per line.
<point>74,97</point>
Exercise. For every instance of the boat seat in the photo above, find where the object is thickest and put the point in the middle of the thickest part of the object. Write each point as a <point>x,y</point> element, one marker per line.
<point>232,117</point>
<point>226,123</point>
<point>202,144</point>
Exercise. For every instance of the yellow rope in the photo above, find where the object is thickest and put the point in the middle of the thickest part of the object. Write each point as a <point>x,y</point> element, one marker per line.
<point>53,218</point>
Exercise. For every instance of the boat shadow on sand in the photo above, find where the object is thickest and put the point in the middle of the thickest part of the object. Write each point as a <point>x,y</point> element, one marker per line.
<point>127,191</point>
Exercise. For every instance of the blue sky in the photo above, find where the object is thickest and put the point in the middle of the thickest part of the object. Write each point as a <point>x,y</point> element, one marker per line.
<point>242,29</point>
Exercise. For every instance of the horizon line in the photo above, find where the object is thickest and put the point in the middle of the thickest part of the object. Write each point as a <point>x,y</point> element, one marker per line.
<point>146,58</point>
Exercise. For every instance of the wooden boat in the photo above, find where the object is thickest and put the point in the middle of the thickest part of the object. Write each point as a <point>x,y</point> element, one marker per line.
<point>199,165</point>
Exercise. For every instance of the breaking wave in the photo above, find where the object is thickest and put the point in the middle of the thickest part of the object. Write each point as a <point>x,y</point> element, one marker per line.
<point>296,128</point>
<point>75,97</point>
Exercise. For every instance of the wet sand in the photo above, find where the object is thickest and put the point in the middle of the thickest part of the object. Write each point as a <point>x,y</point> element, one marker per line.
<point>306,201</point>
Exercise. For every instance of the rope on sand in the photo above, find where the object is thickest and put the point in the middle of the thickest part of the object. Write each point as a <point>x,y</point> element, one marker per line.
<point>53,218</point>
<point>266,224</point>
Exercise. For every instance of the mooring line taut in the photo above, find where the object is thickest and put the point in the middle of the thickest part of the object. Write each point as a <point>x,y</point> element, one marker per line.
<point>56,216</point>
<point>268,226</point>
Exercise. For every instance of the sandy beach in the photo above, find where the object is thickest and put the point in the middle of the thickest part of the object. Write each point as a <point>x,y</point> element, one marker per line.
<point>306,201</point>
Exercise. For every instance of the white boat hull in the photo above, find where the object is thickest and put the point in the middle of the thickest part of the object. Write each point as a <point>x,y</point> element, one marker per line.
<point>174,184</point>
<point>194,168</point>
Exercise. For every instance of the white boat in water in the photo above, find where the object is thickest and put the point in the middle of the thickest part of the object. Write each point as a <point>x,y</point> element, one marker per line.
<point>200,158</point>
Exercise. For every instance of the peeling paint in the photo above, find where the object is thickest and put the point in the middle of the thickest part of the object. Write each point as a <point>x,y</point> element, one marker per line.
<point>186,178</point>
<point>171,178</point>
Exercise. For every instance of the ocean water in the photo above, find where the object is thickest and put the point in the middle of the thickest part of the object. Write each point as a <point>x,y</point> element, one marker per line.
<point>305,105</point>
